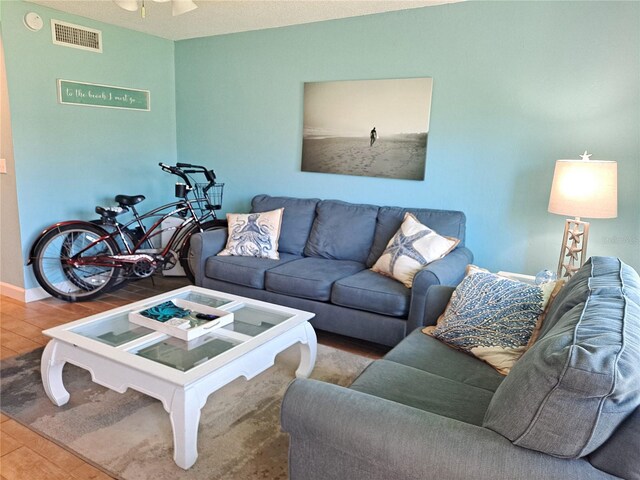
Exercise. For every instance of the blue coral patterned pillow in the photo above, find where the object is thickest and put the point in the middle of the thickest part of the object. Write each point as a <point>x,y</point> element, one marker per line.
<point>254,234</point>
<point>493,318</point>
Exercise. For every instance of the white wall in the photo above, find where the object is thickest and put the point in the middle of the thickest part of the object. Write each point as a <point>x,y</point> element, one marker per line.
<point>10,250</point>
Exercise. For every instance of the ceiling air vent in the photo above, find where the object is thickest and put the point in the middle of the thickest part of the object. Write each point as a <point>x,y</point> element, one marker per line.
<point>76,36</point>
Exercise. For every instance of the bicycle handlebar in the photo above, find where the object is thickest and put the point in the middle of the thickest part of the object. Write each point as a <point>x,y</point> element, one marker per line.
<point>209,174</point>
<point>177,170</point>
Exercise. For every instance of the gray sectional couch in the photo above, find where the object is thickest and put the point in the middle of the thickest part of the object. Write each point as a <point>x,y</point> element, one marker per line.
<point>567,410</point>
<point>326,249</point>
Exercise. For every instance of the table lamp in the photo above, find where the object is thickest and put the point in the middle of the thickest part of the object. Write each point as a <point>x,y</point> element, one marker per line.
<point>582,188</point>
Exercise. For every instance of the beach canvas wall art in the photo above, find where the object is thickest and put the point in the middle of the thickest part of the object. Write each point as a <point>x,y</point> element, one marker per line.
<point>374,128</point>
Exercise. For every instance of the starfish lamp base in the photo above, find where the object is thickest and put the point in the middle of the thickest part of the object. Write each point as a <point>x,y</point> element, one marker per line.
<point>574,247</point>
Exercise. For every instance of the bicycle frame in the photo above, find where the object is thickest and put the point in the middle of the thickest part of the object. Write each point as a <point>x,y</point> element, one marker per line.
<point>185,206</point>
<point>177,238</point>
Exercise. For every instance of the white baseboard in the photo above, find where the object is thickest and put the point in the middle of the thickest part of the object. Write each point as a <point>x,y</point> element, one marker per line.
<point>34,294</point>
<point>22,295</point>
<point>11,291</point>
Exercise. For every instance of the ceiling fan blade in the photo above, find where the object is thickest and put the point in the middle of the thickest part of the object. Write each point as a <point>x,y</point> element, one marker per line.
<point>179,7</point>
<point>130,5</point>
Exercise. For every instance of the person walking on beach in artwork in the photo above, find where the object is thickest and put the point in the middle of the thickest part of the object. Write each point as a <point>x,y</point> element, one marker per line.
<point>373,137</point>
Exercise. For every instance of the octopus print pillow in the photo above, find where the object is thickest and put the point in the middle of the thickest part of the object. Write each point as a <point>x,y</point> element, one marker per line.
<point>254,234</point>
<point>412,247</point>
<point>493,318</point>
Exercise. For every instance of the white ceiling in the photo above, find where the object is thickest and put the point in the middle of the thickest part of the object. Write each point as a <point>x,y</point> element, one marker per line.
<point>217,17</point>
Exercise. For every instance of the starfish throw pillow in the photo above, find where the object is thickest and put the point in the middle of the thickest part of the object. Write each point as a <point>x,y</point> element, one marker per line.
<point>412,248</point>
<point>254,234</point>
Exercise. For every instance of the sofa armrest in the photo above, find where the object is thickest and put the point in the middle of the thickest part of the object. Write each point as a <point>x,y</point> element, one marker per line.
<point>438,297</point>
<point>205,245</point>
<point>377,439</point>
<point>449,270</point>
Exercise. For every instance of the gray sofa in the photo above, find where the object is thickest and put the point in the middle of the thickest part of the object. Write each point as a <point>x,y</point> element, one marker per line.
<point>326,249</point>
<point>427,411</point>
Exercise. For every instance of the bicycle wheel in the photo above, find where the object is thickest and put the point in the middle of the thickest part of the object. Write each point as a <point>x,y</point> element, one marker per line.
<point>186,256</point>
<point>62,279</point>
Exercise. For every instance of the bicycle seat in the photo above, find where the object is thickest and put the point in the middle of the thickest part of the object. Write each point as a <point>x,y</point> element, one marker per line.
<point>110,212</point>
<point>129,199</point>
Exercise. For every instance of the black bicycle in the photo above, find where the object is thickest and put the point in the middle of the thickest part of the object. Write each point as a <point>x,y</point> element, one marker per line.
<point>78,260</point>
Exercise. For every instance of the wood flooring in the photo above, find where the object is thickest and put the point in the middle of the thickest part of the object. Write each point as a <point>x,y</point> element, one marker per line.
<point>25,455</point>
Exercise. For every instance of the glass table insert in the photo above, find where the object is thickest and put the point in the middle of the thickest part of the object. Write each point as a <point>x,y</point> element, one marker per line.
<point>249,321</point>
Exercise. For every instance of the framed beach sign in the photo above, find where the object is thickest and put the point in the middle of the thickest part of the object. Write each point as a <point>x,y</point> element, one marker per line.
<point>374,128</point>
<point>105,96</point>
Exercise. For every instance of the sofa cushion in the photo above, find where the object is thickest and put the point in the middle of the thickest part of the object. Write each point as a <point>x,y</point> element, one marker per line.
<point>579,381</point>
<point>449,223</point>
<point>426,353</point>
<point>619,455</point>
<point>372,292</point>
<point>423,390</point>
<point>309,277</point>
<point>297,220</point>
<point>574,293</point>
<point>342,231</point>
<point>248,271</point>
<point>253,234</point>
<point>412,248</point>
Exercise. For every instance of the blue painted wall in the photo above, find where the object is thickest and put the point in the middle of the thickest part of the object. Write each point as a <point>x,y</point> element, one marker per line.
<point>71,158</point>
<point>517,85</point>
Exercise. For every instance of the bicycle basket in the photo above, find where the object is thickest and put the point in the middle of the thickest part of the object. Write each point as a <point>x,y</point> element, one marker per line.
<point>211,199</point>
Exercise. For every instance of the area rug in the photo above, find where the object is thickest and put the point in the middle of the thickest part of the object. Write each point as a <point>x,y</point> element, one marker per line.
<point>129,435</point>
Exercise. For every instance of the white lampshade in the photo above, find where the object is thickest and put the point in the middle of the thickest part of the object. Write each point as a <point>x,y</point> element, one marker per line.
<point>130,5</point>
<point>179,7</point>
<point>585,188</point>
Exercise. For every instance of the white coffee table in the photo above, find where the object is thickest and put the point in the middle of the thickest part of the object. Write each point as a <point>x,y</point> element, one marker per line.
<point>182,375</point>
